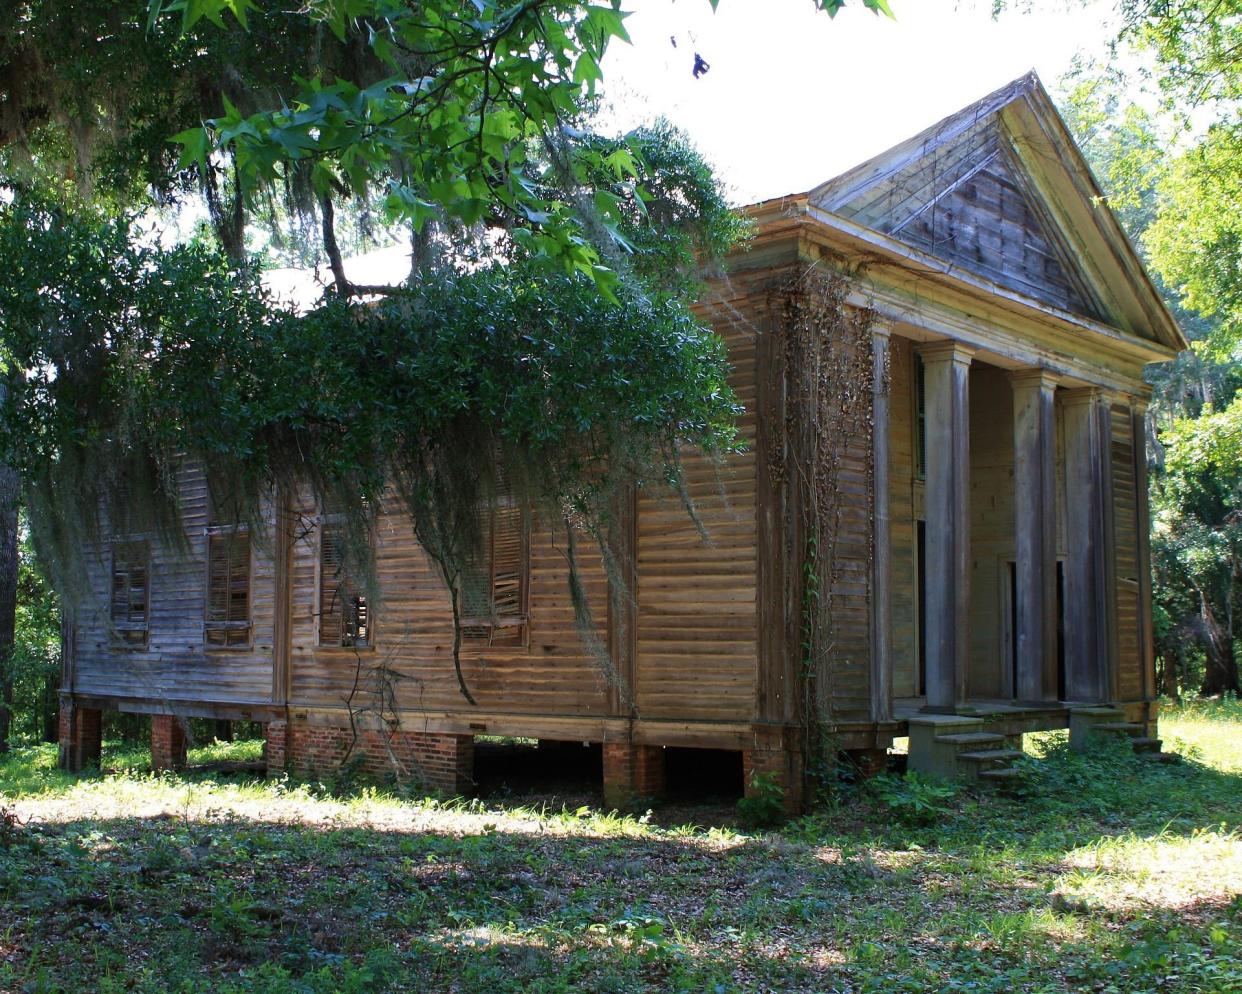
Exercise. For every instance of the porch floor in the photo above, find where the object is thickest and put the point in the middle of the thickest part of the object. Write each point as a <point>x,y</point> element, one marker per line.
<point>1006,717</point>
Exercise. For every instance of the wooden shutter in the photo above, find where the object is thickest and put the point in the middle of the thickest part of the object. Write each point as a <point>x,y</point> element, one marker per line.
<point>493,593</point>
<point>228,588</point>
<point>344,614</point>
<point>130,601</point>
<point>509,576</point>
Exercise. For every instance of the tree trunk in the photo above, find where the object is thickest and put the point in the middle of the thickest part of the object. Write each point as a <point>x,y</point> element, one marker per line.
<point>9,490</point>
<point>1168,674</point>
<point>50,712</point>
<point>1221,673</point>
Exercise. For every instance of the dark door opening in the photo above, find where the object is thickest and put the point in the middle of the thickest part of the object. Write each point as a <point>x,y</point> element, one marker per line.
<point>920,580</point>
<point>1060,630</point>
<point>1013,630</point>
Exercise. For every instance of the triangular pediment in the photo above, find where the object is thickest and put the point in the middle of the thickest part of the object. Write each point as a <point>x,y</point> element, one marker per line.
<point>1000,189</point>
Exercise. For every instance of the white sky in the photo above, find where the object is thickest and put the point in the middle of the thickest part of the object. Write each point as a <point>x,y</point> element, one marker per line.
<point>794,97</point>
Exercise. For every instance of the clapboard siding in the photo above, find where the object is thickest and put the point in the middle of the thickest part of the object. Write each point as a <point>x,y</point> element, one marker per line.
<point>1126,557</point>
<point>902,521</point>
<point>410,665</point>
<point>697,645</point>
<point>991,529</point>
<point>845,691</point>
<point>175,666</point>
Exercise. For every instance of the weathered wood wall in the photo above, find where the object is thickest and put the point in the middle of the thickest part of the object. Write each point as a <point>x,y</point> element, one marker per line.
<point>412,654</point>
<point>1126,524</point>
<point>905,493</point>
<point>175,666</point>
<point>697,608</point>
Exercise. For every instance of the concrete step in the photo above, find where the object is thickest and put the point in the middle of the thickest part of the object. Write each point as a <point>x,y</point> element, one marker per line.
<point>1002,776</point>
<point>1131,728</point>
<point>1160,757</point>
<point>1144,743</point>
<point>991,756</point>
<point>970,738</point>
<point>1101,711</point>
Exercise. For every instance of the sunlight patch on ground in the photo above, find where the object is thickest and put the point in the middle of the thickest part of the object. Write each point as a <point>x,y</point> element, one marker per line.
<point>1166,871</point>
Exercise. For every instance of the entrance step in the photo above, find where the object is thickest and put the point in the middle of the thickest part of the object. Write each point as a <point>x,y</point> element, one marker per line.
<point>970,738</point>
<point>1123,727</point>
<point>963,747</point>
<point>1146,744</point>
<point>1008,775</point>
<point>1001,756</point>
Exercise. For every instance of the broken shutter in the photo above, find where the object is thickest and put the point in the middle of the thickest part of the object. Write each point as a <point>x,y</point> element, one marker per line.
<point>130,592</point>
<point>344,614</point>
<point>493,594</point>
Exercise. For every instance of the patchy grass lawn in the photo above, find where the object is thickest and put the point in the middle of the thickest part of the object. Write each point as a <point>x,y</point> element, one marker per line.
<point>1105,873</point>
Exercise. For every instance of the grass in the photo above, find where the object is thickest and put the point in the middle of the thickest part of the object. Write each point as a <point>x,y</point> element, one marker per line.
<point>1105,874</point>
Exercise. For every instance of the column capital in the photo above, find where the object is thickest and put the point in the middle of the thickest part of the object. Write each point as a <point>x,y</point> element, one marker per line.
<point>947,350</point>
<point>881,327</point>
<point>1089,395</point>
<point>1034,376</point>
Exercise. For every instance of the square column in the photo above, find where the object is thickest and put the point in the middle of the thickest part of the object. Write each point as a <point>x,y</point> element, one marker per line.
<point>946,503</point>
<point>1088,509</point>
<point>1035,533</point>
<point>881,586</point>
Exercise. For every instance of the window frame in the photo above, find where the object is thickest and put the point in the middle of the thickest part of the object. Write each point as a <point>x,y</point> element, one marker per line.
<point>214,532</point>
<point>324,524</point>
<point>486,641</point>
<point>119,628</point>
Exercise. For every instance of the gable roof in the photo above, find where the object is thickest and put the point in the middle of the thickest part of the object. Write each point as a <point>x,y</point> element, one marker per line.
<point>1000,189</point>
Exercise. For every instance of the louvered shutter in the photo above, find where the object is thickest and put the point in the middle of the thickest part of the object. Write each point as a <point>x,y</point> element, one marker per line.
<point>330,563</point>
<point>344,614</point>
<point>493,592</point>
<point>228,588</point>
<point>130,594</point>
<point>509,567</point>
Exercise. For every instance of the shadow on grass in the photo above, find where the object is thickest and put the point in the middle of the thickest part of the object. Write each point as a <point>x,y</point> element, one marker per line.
<point>212,900</point>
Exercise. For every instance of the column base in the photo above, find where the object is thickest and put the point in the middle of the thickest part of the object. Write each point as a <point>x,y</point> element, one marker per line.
<point>275,746</point>
<point>633,775</point>
<point>868,763</point>
<point>81,737</point>
<point>168,746</point>
<point>786,768</point>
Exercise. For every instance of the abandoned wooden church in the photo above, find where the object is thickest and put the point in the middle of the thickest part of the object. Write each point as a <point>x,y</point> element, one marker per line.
<point>941,356</point>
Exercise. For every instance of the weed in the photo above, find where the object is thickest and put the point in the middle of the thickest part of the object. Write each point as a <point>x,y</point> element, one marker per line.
<point>915,799</point>
<point>764,803</point>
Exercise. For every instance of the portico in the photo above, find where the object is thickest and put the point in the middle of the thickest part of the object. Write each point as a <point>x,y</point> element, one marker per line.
<point>1002,555</point>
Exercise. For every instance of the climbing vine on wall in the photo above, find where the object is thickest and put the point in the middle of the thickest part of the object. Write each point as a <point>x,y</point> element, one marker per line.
<point>826,464</point>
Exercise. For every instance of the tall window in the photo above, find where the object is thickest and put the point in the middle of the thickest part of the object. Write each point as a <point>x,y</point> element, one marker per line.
<point>344,614</point>
<point>227,622</point>
<point>131,593</point>
<point>493,599</point>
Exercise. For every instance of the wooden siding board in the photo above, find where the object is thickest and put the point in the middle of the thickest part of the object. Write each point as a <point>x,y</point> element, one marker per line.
<point>697,645</point>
